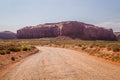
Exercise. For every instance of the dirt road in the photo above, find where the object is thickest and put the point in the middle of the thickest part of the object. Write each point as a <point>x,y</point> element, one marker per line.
<point>62,64</point>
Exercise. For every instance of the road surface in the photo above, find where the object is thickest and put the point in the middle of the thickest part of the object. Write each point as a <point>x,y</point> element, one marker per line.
<point>62,64</point>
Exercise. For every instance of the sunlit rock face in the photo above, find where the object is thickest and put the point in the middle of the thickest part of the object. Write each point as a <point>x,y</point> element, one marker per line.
<point>39,31</point>
<point>7,35</point>
<point>71,29</point>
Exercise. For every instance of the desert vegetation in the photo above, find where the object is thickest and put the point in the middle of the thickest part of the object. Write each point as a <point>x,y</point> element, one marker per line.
<point>109,50</point>
<point>12,51</point>
<point>11,47</point>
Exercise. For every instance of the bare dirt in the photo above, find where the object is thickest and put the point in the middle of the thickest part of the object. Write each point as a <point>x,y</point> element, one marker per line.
<point>62,64</point>
<point>6,61</point>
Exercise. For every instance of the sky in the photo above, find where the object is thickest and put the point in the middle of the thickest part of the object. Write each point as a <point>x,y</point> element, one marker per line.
<point>16,14</point>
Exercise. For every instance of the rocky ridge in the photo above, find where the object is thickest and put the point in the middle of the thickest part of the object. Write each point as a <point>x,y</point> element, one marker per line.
<point>73,29</point>
<point>7,35</point>
<point>117,35</point>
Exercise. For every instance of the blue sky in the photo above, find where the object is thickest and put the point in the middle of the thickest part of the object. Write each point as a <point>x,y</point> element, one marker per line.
<point>15,14</point>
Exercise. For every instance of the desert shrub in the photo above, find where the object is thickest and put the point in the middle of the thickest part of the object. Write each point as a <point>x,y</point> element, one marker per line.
<point>25,48</point>
<point>102,45</point>
<point>13,58</point>
<point>91,46</point>
<point>14,49</point>
<point>116,58</point>
<point>33,47</point>
<point>116,49</point>
<point>103,55</point>
<point>1,47</point>
<point>109,48</point>
<point>79,45</point>
<point>83,48</point>
<point>113,47</point>
<point>2,52</point>
<point>7,51</point>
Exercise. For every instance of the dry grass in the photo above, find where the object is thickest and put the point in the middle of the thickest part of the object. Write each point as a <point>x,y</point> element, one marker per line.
<point>105,49</point>
<point>7,48</point>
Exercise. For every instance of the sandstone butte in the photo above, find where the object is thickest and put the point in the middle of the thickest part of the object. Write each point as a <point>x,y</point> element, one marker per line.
<point>72,29</point>
<point>7,35</point>
<point>117,35</point>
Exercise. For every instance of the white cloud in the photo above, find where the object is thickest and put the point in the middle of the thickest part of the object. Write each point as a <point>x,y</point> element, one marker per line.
<point>113,25</point>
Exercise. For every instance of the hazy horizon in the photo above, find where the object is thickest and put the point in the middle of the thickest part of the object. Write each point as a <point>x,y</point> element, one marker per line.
<point>18,14</point>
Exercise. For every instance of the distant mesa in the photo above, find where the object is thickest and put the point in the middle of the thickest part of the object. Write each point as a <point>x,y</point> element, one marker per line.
<point>72,29</point>
<point>117,35</point>
<point>7,35</point>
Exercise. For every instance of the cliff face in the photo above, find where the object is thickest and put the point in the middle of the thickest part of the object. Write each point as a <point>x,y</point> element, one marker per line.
<point>117,35</point>
<point>7,35</point>
<point>39,31</point>
<point>71,29</point>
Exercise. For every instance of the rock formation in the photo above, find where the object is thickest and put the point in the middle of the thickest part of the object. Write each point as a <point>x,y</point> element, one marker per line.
<point>39,31</point>
<point>117,35</point>
<point>71,29</point>
<point>7,35</point>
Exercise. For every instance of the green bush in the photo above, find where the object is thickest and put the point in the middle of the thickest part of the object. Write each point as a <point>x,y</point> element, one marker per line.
<point>14,49</point>
<point>25,48</point>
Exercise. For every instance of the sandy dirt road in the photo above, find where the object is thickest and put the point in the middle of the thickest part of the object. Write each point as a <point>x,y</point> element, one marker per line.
<point>62,64</point>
